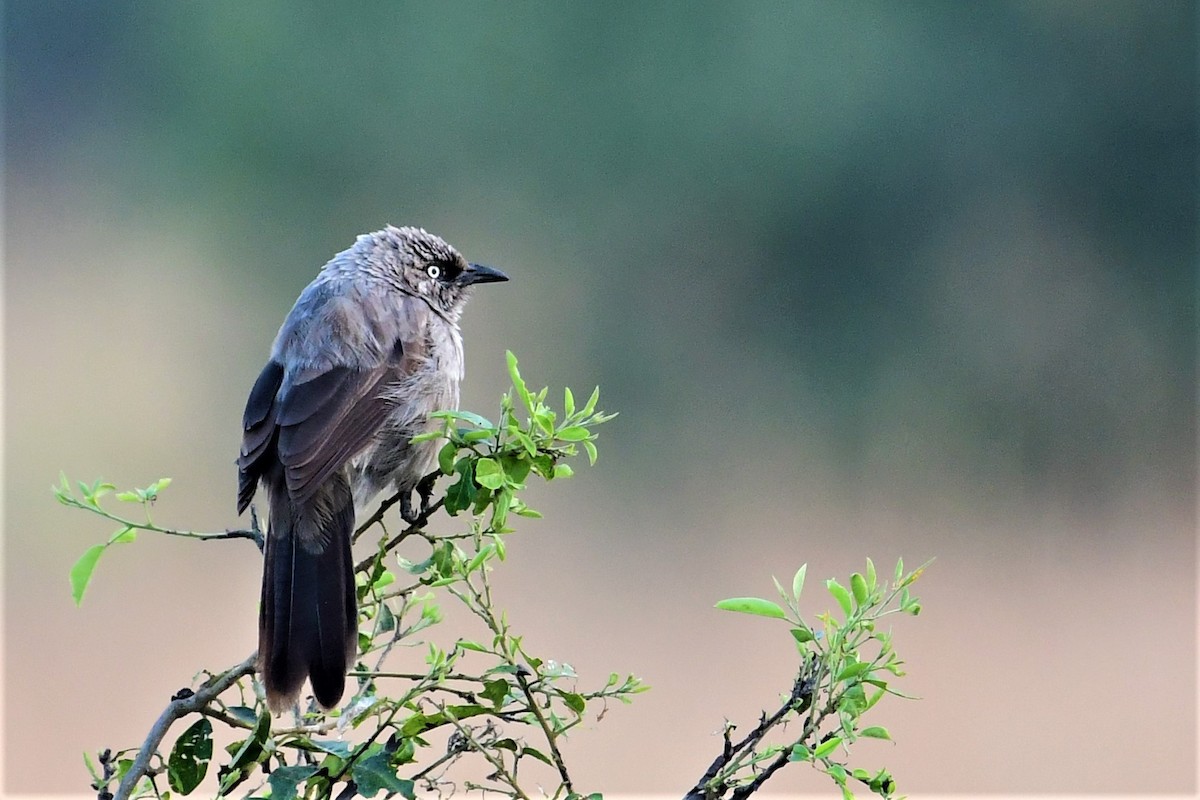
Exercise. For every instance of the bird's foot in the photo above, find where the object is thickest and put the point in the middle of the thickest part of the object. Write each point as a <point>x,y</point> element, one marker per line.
<point>425,491</point>
<point>406,509</point>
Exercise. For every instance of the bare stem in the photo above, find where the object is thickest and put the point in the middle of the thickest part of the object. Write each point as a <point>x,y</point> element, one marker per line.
<point>180,706</point>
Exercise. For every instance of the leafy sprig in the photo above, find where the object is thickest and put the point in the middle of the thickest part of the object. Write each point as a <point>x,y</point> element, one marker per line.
<point>846,667</point>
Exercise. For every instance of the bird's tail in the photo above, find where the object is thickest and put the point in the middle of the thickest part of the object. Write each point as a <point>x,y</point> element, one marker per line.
<point>308,619</point>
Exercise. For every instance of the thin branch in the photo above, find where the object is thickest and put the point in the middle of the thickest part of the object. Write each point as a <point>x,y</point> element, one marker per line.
<point>800,700</point>
<point>551,736</point>
<point>180,706</point>
<point>501,771</point>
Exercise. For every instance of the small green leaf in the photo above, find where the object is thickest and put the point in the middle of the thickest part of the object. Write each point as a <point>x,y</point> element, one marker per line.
<point>446,457</point>
<point>858,585</point>
<point>81,573</point>
<point>752,605</point>
<point>802,635</point>
<point>876,732</point>
<point>538,754</point>
<point>871,584</point>
<point>374,773</point>
<point>129,497</point>
<point>496,691</point>
<point>841,595</point>
<point>591,451</point>
<point>799,753</point>
<point>517,381</point>
<point>572,433</point>
<point>798,581</point>
<point>243,714</point>
<point>284,780</point>
<point>563,471</point>
<point>568,401</point>
<point>465,416</point>
<point>488,473</point>
<point>590,406</point>
<point>853,670</point>
<point>480,557</point>
<point>899,571</point>
<point>574,701</point>
<point>826,747</point>
<point>123,536</point>
<point>188,762</point>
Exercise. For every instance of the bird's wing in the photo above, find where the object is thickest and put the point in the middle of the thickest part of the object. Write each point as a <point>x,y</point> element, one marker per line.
<point>258,431</point>
<point>327,417</point>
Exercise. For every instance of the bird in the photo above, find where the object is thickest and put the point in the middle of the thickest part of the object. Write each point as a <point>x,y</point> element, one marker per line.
<point>370,349</point>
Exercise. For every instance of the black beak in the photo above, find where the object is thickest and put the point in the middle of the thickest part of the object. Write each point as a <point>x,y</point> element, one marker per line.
<point>478,273</point>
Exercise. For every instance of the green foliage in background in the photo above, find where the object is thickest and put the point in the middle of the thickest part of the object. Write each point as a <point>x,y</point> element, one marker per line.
<point>486,702</point>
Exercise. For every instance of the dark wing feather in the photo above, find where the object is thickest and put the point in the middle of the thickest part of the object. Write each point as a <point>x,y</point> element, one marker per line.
<point>258,431</point>
<point>327,419</point>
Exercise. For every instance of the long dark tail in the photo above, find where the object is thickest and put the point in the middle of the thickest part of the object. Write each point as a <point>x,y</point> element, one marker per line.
<point>308,620</point>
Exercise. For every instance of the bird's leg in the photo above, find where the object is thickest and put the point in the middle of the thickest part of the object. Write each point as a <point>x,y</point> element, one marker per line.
<point>425,491</point>
<point>406,510</point>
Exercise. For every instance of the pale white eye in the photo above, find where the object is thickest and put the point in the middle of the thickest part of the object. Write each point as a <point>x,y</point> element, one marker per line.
<point>433,271</point>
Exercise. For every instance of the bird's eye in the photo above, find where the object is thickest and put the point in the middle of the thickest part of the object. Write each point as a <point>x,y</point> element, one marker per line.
<point>433,271</point>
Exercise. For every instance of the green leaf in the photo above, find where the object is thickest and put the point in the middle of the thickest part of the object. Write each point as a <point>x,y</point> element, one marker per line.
<point>876,732</point>
<point>538,754</point>
<point>123,536</point>
<point>517,382</point>
<point>500,508</point>
<point>590,406</point>
<point>826,747</point>
<point>841,595</point>
<point>496,691</point>
<point>799,753</point>
<point>465,416</point>
<point>871,584</point>
<point>752,605</point>
<point>488,473</point>
<point>516,467</point>
<point>798,581</point>
<point>284,780</point>
<point>563,471</point>
<point>246,754</point>
<point>480,557</point>
<point>243,714</point>
<point>899,571</point>
<point>572,433</point>
<point>591,452</point>
<point>916,573</point>
<point>853,670</point>
<point>374,773</point>
<point>574,701</point>
<point>461,494</point>
<point>81,572</point>
<point>129,497</point>
<point>858,585</point>
<point>91,766</point>
<point>446,457</point>
<point>568,401</point>
<point>188,762</point>
<point>802,635</point>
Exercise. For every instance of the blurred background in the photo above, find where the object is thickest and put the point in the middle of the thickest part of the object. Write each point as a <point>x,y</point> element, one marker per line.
<point>879,279</point>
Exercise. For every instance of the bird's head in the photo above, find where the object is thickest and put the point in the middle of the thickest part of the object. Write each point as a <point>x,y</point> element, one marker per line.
<point>423,265</point>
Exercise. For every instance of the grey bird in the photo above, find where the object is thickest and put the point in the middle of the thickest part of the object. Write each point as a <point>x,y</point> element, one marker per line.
<point>370,349</point>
